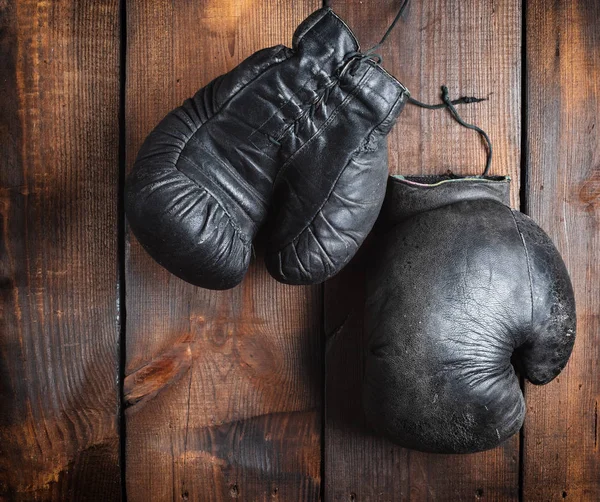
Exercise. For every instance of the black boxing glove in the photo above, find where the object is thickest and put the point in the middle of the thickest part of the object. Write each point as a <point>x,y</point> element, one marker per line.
<point>332,183</point>
<point>459,284</point>
<point>203,181</point>
<point>199,190</point>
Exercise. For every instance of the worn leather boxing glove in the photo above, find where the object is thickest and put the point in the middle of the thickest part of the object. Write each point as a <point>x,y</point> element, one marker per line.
<point>308,122</point>
<point>460,285</point>
<point>332,183</point>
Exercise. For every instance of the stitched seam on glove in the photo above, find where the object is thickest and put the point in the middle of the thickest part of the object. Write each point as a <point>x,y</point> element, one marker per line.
<point>296,48</point>
<point>327,12</point>
<point>304,86</point>
<point>337,179</point>
<point>293,95</point>
<point>212,180</point>
<point>346,28</point>
<point>234,91</point>
<point>332,83</point>
<point>527,259</point>
<point>320,92</point>
<point>297,41</point>
<point>242,236</point>
<point>347,99</point>
<point>228,100</point>
<point>392,79</point>
<point>232,172</point>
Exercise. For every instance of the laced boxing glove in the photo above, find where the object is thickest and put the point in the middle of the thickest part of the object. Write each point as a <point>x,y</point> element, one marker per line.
<point>309,121</point>
<point>332,184</point>
<point>459,285</point>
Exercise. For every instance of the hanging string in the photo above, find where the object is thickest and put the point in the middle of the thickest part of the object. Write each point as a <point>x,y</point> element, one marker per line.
<point>447,103</point>
<point>353,57</point>
<point>463,100</point>
<point>389,30</point>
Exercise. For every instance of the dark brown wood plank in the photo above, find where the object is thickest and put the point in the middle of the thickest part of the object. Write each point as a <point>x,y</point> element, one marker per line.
<point>224,388</point>
<point>59,171</point>
<point>474,48</point>
<point>562,446</point>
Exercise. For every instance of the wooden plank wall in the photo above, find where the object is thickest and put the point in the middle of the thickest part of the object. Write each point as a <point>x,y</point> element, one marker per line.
<point>224,387</point>
<point>561,457</point>
<point>254,393</point>
<point>59,171</point>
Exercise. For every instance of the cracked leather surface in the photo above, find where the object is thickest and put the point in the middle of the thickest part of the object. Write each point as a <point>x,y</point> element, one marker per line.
<point>458,285</point>
<point>296,136</point>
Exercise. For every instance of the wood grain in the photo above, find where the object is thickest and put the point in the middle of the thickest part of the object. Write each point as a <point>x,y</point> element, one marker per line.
<point>474,48</point>
<point>224,388</point>
<point>562,445</point>
<point>59,170</point>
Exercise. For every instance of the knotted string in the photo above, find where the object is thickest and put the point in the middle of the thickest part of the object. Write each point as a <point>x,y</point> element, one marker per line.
<point>447,103</point>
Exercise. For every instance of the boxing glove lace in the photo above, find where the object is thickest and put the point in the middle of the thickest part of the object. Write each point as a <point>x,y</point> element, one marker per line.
<point>332,183</point>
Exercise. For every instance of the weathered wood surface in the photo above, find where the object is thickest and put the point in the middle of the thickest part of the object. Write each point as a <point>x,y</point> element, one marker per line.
<point>223,388</point>
<point>59,91</point>
<point>561,458</point>
<point>475,48</point>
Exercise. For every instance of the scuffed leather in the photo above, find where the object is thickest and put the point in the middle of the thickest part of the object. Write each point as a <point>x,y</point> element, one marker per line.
<point>287,133</point>
<point>330,190</point>
<point>458,285</point>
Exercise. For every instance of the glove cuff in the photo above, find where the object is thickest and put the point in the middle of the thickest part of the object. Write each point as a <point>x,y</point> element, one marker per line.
<point>409,195</point>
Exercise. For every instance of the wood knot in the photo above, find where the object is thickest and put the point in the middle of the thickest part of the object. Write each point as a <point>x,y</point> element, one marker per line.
<point>158,374</point>
<point>589,190</point>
